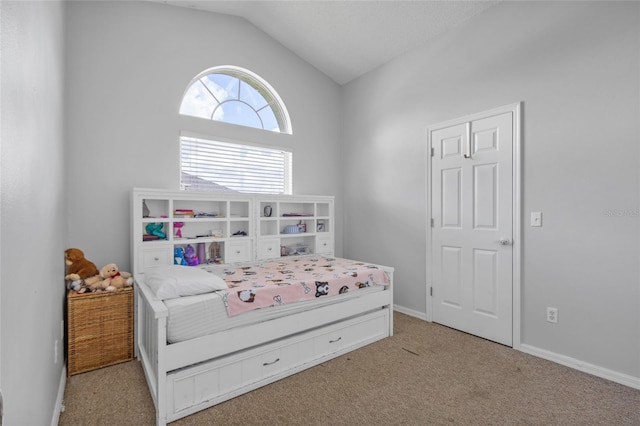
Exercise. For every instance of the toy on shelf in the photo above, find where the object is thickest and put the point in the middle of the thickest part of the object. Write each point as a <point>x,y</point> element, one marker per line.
<point>190,256</point>
<point>214,253</point>
<point>178,256</point>
<point>177,229</point>
<point>155,229</point>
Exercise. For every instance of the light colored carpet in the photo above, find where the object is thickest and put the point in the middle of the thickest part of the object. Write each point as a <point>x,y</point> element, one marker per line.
<point>424,374</point>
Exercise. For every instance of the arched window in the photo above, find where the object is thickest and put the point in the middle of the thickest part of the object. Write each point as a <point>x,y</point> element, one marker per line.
<point>238,96</point>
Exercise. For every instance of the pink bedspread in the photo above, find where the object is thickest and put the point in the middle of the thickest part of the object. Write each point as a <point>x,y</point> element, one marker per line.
<point>296,279</point>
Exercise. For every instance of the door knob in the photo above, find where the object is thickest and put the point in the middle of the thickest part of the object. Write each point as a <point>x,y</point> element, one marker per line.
<point>505,241</point>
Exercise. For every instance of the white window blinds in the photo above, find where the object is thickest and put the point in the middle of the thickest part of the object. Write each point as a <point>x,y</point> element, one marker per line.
<point>220,166</point>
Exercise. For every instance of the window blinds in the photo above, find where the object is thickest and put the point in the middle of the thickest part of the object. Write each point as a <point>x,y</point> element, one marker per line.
<point>220,166</point>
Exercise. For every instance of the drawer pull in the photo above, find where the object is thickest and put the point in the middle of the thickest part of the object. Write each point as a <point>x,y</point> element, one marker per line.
<point>237,251</point>
<point>270,363</point>
<point>337,340</point>
<point>156,259</point>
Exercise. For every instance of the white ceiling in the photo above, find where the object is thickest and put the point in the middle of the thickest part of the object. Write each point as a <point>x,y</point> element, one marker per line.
<point>346,39</point>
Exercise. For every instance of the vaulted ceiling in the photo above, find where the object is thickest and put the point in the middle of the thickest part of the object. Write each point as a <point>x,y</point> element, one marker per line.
<point>346,39</point>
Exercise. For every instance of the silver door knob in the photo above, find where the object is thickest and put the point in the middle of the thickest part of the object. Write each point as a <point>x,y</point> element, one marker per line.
<point>505,241</point>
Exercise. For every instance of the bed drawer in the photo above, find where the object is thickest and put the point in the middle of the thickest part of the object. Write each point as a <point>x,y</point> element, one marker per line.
<point>351,334</point>
<point>193,388</point>
<point>224,378</point>
<point>198,384</point>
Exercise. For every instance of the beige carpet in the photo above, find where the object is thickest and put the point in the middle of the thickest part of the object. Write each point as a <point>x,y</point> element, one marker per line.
<point>424,374</point>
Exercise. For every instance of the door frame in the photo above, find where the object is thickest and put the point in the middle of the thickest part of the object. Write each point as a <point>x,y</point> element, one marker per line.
<point>516,178</point>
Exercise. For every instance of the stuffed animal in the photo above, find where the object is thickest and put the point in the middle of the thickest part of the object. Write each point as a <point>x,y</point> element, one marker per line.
<point>113,278</point>
<point>178,257</point>
<point>79,267</point>
<point>82,273</point>
<point>155,228</point>
<point>78,286</point>
<point>190,256</point>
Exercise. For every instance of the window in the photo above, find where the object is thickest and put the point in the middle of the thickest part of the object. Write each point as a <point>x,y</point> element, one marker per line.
<point>237,96</point>
<point>207,165</point>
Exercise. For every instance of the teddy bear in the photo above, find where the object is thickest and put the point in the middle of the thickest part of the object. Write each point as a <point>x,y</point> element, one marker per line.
<point>79,266</point>
<point>113,278</point>
<point>82,273</point>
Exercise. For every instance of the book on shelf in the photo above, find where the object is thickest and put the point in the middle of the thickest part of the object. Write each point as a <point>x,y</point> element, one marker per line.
<point>183,213</point>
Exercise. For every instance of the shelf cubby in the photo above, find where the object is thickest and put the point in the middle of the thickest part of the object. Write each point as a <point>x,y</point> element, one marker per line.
<point>227,228</point>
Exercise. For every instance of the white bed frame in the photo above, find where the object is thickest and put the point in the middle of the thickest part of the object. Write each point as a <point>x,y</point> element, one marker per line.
<point>190,376</point>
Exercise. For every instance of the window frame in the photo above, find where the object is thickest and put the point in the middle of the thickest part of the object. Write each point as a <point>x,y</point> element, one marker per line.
<point>273,99</point>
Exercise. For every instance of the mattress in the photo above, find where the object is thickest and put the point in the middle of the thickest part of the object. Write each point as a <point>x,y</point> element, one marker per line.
<point>195,316</point>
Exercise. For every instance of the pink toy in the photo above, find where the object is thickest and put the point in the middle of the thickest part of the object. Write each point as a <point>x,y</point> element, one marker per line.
<point>177,227</point>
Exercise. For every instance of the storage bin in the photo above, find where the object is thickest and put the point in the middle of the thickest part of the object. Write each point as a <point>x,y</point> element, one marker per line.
<point>99,329</point>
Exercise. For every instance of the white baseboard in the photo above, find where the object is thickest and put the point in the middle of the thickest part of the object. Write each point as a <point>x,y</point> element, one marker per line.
<point>410,312</point>
<point>585,367</point>
<point>58,408</point>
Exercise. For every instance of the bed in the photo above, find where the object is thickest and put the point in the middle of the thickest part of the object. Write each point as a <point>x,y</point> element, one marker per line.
<point>198,350</point>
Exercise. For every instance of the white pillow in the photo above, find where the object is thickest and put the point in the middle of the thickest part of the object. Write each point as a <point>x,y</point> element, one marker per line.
<point>171,281</point>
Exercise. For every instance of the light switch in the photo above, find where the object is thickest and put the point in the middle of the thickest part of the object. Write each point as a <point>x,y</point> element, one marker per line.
<point>536,218</point>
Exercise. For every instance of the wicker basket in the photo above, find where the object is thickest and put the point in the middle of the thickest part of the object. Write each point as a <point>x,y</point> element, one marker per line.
<point>99,329</point>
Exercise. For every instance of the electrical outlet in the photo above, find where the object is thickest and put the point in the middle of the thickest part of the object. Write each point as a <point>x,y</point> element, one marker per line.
<point>552,315</point>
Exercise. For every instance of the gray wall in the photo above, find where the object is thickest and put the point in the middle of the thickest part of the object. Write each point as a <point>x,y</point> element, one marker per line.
<point>70,155</point>
<point>32,207</point>
<point>128,66</point>
<point>575,65</point>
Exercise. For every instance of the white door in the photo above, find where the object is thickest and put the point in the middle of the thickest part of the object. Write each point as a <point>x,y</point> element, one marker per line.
<point>472,232</point>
